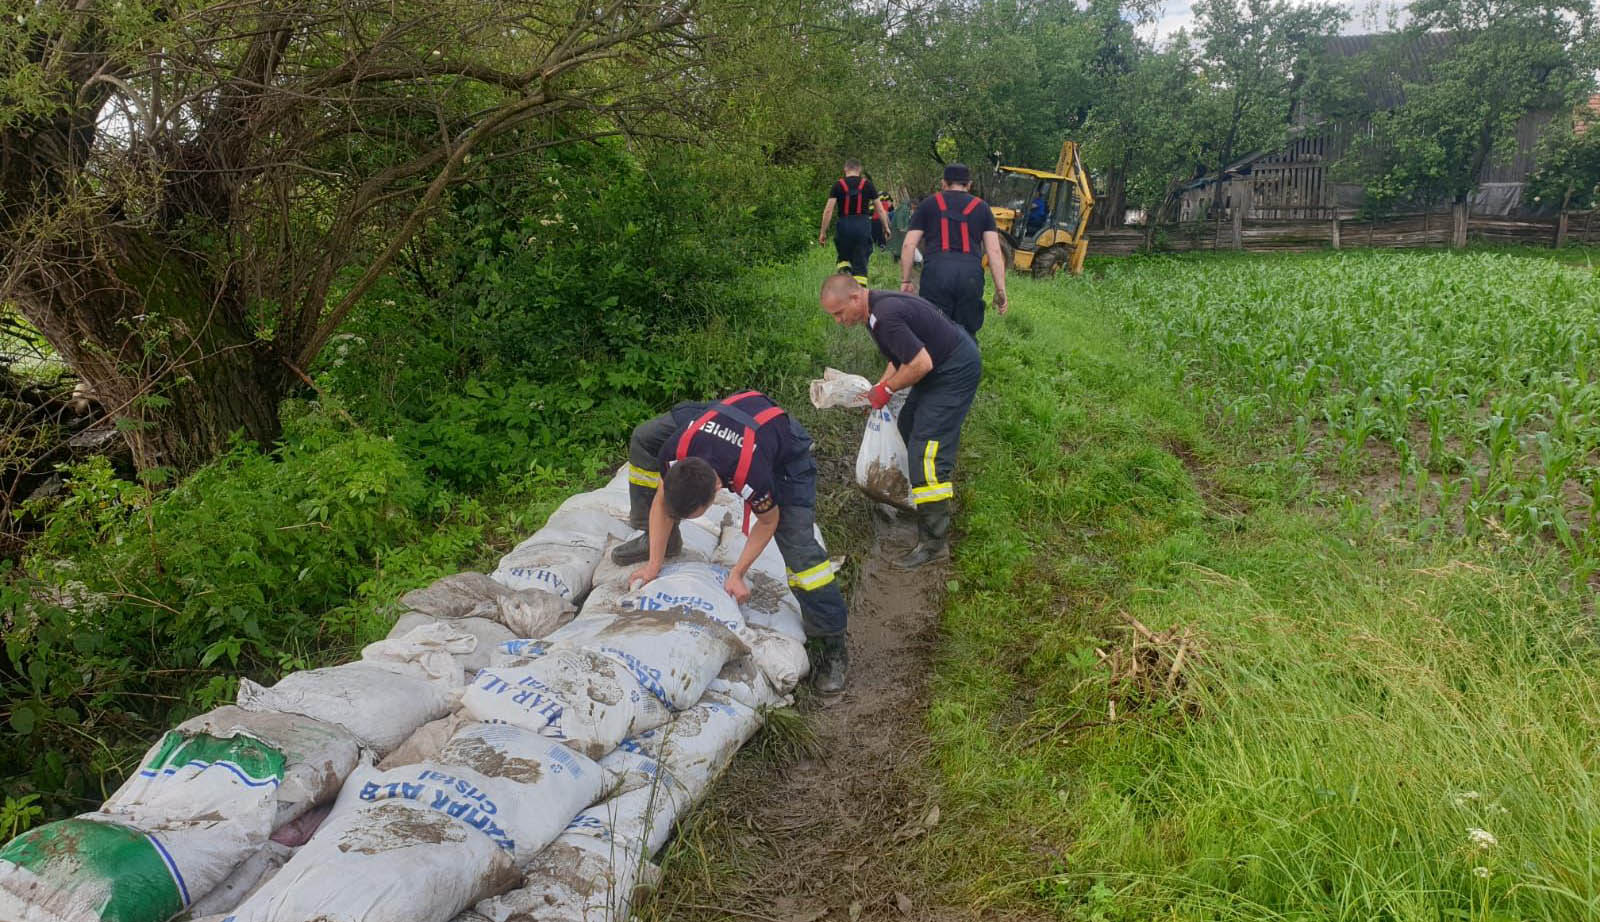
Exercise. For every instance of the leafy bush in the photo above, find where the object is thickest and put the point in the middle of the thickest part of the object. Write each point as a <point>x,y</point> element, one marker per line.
<point>136,604</point>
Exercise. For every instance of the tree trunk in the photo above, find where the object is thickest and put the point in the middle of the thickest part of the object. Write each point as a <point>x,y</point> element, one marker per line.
<point>1111,212</point>
<point>173,359</point>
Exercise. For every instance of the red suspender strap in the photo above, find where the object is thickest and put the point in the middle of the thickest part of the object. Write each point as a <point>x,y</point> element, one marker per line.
<point>970,205</point>
<point>944,222</point>
<point>688,434</point>
<point>747,453</point>
<point>966,244</point>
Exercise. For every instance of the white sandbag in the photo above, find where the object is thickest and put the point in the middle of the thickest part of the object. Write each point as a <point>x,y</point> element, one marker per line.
<point>196,808</point>
<point>395,861</point>
<point>670,640</point>
<point>699,743</point>
<point>489,633</point>
<point>883,465</point>
<point>427,651</point>
<point>245,879</point>
<point>838,389</point>
<point>424,842</point>
<point>427,741</point>
<point>587,700</point>
<point>561,557</point>
<point>318,755</point>
<point>380,706</point>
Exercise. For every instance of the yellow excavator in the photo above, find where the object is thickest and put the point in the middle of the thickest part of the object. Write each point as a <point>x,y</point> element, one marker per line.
<point>1043,218</point>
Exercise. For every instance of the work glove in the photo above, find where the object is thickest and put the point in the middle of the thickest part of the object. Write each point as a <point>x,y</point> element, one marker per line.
<point>879,396</point>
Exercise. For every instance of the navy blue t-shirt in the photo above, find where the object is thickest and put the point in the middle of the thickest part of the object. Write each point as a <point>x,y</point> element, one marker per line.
<point>720,440</point>
<point>944,231</point>
<point>903,325</point>
<point>856,195</point>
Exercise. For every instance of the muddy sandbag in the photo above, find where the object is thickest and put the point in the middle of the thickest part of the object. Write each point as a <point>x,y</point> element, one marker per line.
<point>678,634</point>
<point>577,879</point>
<point>883,464</point>
<point>743,681</point>
<point>424,842</point>
<point>196,808</point>
<point>490,634</point>
<point>318,755</point>
<point>587,700</point>
<point>526,612</point>
<point>426,742</point>
<point>245,879</point>
<point>600,865</point>
<point>699,743</point>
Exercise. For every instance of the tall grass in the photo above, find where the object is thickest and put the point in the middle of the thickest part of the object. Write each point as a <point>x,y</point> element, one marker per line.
<point>1374,727</point>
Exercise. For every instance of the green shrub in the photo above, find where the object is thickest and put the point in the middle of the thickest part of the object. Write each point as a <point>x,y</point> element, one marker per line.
<point>135,604</point>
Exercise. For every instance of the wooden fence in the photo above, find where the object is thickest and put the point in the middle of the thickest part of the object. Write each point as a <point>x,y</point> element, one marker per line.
<point>1233,232</point>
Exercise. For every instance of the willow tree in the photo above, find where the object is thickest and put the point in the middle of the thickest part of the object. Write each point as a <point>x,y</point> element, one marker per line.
<point>195,193</point>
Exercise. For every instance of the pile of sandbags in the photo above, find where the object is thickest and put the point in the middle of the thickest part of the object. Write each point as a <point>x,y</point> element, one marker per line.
<point>519,747</point>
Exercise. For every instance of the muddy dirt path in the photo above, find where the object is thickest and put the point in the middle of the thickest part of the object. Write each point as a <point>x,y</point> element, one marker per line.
<point>836,836</point>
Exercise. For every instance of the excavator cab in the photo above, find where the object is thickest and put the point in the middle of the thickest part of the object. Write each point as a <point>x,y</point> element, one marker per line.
<point>1043,217</point>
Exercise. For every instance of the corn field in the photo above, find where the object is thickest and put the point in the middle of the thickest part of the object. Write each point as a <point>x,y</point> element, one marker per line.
<point>1470,376</point>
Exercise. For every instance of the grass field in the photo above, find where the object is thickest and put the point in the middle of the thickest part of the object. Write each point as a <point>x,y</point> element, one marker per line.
<point>1372,719</point>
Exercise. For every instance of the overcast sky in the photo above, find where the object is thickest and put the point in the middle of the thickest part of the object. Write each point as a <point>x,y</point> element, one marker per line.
<point>1365,16</point>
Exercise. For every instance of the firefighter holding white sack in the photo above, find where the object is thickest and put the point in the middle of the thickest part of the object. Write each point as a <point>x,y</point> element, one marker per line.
<point>939,362</point>
<point>747,443</point>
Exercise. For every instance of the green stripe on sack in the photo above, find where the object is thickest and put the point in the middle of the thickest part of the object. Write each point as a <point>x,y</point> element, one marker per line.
<point>256,761</point>
<point>117,861</point>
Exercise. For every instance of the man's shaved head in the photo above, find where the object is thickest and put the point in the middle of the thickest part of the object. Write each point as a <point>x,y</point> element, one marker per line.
<point>845,300</point>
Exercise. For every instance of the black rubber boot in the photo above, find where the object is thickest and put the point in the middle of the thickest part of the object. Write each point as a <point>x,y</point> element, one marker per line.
<point>833,664</point>
<point>637,548</point>
<point>933,535</point>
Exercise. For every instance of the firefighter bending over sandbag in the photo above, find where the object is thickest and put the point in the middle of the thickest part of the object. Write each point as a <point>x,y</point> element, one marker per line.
<point>939,362</point>
<point>747,443</point>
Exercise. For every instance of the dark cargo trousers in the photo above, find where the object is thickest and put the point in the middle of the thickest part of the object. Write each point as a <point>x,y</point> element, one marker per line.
<point>852,240</point>
<point>822,607</point>
<point>953,282</point>
<point>931,420</point>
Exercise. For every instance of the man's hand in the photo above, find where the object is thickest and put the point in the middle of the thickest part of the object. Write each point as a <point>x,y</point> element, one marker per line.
<point>1000,303</point>
<point>909,287</point>
<point>736,587</point>
<point>878,397</point>
<point>822,239</point>
<point>644,574</point>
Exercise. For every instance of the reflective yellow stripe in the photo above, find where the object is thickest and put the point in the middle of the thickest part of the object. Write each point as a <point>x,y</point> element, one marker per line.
<point>930,474</point>
<point>640,476</point>
<point>843,264</point>
<point>933,493</point>
<point>861,279</point>
<point>813,578</point>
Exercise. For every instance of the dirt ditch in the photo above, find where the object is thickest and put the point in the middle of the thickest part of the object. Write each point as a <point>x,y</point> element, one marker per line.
<point>836,835</point>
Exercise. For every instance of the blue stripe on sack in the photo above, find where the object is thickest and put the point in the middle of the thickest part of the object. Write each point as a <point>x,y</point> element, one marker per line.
<point>172,867</point>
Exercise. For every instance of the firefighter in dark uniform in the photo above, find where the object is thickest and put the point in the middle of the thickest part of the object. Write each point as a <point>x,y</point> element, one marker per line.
<point>955,229</point>
<point>930,355</point>
<point>857,202</point>
<point>747,443</point>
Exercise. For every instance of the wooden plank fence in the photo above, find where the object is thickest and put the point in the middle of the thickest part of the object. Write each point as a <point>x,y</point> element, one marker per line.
<point>1235,232</point>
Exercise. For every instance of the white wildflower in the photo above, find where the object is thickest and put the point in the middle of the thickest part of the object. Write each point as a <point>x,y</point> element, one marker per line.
<point>1466,797</point>
<point>1481,838</point>
<point>1481,872</point>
